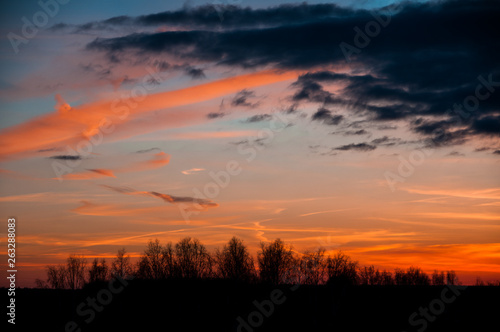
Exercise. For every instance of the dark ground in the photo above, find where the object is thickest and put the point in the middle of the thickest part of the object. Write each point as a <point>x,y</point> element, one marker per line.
<point>214,305</point>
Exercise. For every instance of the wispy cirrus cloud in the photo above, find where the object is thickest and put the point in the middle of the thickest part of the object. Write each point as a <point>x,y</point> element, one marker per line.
<point>192,171</point>
<point>492,193</point>
<point>89,174</point>
<point>73,126</point>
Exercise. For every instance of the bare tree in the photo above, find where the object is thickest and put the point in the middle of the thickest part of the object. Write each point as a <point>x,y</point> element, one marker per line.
<point>400,277</point>
<point>56,276</point>
<point>313,267</point>
<point>368,276</point>
<point>193,260</point>
<point>495,283</point>
<point>234,261</point>
<point>121,265</point>
<point>40,283</point>
<point>75,271</point>
<point>438,278</point>
<point>386,278</point>
<point>157,262</point>
<point>451,278</point>
<point>413,276</point>
<point>342,269</point>
<point>98,270</point>
<point>276,262</point>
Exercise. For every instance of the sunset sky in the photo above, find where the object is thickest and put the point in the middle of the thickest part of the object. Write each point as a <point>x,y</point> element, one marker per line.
<point>371,127</point>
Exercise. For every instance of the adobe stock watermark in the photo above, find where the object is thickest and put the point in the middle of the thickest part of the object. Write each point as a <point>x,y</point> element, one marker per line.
<point>94,305</point>
<point>458,113</point>
<point>121,108</point>
<point>222,179</point>
<point>425,315</point>
<point>371,30</point>
<point>40,19</point>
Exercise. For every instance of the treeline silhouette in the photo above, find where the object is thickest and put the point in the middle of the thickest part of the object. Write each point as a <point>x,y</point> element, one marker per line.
<point>276,264</point>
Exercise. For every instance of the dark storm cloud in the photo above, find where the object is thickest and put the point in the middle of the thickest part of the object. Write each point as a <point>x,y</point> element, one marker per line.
<point>148,150</point>
<point>259,118</point>
<point>447,138</point>
<point>386,140</point>
<point>428,127</point>
<point>424,65</point>
<point>66,157</point>
<point>314,92</point>
<point>195,73</point>
<point>453,30</point>
<point>356,147</point>
<point>489,125</point>
<point>327,117</point>
<point>356,132</point>
<point>242,97</point>
<point>207,17</point>
<point>215,115</point>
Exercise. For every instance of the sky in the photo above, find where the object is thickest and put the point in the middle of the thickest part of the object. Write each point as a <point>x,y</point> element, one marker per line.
<point>370,127</point>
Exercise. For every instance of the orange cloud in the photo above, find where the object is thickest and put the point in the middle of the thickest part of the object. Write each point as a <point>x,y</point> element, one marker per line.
<point>90,174</point>
<point>80,123</point>
<point>92,209</point>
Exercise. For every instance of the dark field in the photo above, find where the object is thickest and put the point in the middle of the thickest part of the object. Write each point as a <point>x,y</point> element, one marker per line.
<point>216,305</point>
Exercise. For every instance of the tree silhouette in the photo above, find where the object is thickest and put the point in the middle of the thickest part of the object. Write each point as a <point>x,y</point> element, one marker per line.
<point>234,261</point>
<point>413,276</point>
<point>438,279</point>
<point>75,271</point>
<point>98,270</point>
<point>400,277</point>
<point>451,278</point>
<point>386,278</point>
<point>56,276</point>
<point>369,276</point>
<point>193,260</point>
<point>276,262</point>
<point>121,265</point>
<point>157,262</point>
<point>341,269</point>
<point>312,267</point>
